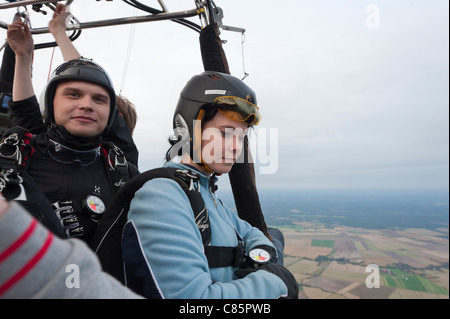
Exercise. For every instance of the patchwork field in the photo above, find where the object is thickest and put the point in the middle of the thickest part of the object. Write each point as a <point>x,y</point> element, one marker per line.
<point>331,263</point>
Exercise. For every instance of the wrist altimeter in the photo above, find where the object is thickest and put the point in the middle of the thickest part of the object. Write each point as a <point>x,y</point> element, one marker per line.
<point>94,206</point>
<point>259,255</point>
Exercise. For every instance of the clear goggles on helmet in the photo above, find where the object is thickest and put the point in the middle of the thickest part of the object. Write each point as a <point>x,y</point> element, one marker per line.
<point>67,155</point>
<point>245,111</point>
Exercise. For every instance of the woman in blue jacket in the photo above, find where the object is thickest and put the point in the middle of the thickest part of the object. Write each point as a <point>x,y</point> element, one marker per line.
<point>164,254</point>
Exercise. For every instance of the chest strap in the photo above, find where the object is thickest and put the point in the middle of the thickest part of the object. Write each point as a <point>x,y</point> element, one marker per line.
<point>217,256</point>
<point>225,256</point>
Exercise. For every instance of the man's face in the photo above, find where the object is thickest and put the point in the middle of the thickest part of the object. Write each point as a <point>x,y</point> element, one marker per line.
<point>81,107</point>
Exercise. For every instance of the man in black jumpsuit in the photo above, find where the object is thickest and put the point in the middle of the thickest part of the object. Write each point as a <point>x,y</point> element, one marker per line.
<point>70,164</point>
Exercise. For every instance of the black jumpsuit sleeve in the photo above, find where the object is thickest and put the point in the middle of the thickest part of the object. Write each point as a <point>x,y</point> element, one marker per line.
<point>26,113</point>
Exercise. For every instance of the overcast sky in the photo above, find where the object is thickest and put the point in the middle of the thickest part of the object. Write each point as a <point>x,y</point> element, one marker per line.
<point>353,94</point>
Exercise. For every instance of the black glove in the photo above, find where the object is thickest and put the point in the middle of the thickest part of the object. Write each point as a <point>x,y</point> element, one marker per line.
<point>278,270</point>
<point>75,224</point>
<point>10,183</point>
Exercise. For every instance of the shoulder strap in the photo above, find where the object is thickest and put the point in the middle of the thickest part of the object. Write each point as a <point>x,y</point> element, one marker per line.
<point>106,242</point>
<point>116,163</point>
<point>188,181</point>
<point>123,197</point>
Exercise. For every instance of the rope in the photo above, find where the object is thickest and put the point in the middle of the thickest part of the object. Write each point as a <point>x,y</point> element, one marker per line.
<point>51,62</point>
<point>243,60</point>
<point>127,59</point>
<point>3,46</point>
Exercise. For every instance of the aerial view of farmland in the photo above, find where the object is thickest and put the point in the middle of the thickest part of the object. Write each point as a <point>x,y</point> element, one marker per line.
<point>333,262</point>
<point>364,245</point>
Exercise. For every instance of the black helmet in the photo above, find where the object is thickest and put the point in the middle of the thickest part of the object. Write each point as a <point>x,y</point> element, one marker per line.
<point>217,89</point>
<point>80,69</point>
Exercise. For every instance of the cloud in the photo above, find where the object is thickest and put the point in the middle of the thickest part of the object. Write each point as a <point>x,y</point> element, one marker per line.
<point>354,106</point>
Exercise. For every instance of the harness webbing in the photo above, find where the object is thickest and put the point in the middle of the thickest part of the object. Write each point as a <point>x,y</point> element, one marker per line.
<point>108,238</point>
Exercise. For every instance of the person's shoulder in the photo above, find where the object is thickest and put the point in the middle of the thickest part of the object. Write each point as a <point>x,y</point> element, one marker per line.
<point>159,196</point>
<point>163,185</point>
<point>162,188</point>
<point>132,169</point>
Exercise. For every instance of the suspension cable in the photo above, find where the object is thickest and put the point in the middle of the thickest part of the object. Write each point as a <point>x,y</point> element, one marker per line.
<point>127,59</point>
<point>243,60</point>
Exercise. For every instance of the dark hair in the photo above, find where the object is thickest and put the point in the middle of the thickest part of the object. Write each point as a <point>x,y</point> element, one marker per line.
<point>127,110</point>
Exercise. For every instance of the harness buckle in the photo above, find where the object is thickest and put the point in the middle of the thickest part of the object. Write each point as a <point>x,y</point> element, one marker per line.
<point>118,154</point>
<point>192,177</point>
<point>12,141</point>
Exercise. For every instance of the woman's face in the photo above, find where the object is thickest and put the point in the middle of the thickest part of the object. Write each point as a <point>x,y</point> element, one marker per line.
<point>222,142</point>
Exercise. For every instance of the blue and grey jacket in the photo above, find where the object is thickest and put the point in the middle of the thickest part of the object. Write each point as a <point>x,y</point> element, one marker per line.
<point>164,254</point>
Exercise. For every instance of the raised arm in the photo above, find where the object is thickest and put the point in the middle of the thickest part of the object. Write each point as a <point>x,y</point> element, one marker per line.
<point>57,27</point>
<point>21,42</point>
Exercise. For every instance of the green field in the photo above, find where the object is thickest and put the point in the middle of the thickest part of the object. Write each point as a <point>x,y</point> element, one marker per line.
<point>322,243</point>
<point>402,280</point>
